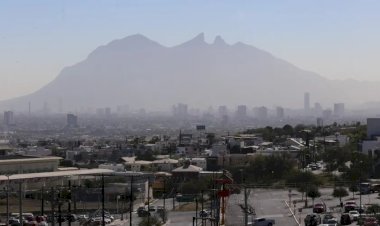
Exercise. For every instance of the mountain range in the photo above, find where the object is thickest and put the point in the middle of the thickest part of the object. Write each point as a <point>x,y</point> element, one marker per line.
<point>142,73</point>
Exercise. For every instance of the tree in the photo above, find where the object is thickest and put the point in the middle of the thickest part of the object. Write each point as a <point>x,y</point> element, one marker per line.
<point>353,188</point>
<point>374,208</point>
<point>313,193</point>
<point>288,130</point>
<point>302,180</point>
<point>340,193</point>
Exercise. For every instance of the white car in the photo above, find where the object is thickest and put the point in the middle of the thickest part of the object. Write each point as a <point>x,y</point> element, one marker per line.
<point>99,219</point>
<point>354,215</point>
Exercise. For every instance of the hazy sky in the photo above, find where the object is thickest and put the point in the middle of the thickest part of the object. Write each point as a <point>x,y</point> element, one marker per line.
<point>338,39</point>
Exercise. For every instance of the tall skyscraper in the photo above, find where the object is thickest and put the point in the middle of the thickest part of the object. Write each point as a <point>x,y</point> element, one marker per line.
<point>180,110</point>
<point>72,120</point>
<point>339,109</point>
<point>241,112</point>
<point>261,113</point>
<point>280,112</point>
<point>306,102</point>
<point>222,111</point>
<point>8,118</point>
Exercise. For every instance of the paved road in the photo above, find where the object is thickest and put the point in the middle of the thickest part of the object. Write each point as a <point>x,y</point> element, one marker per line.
<point>267,203</point>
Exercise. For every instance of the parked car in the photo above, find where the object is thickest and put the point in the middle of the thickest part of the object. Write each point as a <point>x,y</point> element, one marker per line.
<point>14,221</point>
<point>345,219</point>
<point>142,212</point>
<point>71,218</point>
<point>349,207</point>
<point>204,213</point>
<point>371,221</point>
<point>312,220</point>
<point>328,218</point>
<point>262,222</point>
<point>318,208</point>
<point>354,215</point>
<point>99,220</point>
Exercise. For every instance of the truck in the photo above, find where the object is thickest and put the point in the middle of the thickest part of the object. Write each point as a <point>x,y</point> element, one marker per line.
<point>262,222</point>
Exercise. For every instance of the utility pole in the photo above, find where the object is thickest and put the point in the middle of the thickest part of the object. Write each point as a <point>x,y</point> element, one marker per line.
<point>245,206</point>
<point>59,209</point>
<point>52,202</point>
<point>196,212</point>
<point>42,201</point>
<point>69,204</point>
<point>202,207</point>
<point>131,202</point>
<point>20,203</point>
<point>165,193</point>
<point>8,200</point>
<point>103,214</point>
<point>148,202</point>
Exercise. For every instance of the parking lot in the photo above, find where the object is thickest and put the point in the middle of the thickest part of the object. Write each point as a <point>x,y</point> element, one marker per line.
<point>275,204</point>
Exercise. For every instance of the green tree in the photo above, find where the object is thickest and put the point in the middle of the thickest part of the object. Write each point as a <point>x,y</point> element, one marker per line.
<point>373,209</point>
<point>313,193</point>
<point>288,130</point>
<point>302,180</point>
<point>340,192</point>
<point>353,188</point>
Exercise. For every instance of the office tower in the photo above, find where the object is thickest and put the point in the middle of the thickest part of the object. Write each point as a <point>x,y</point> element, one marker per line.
<point>180,110</point>
<point>72,120</point>
<point>306,102</point>
<point>326,113</point>
<point>318,109</point>
<point>280,112</point>
<point>319,122</point>
<point>222,111</point>
<point>339,109</point>
<point>8,118</point>
<point>261,113</point>
<point>373,128</point>
<point>241,112</point>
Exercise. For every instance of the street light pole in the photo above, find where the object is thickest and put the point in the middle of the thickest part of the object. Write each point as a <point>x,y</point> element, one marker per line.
<point>103,213</point>
<point>8,199</point>
<point>20,203</point>
<point>131,202</point>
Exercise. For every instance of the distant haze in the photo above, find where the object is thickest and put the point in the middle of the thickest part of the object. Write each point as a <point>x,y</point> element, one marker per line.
<point>142,73</point>
<point>334,38</point>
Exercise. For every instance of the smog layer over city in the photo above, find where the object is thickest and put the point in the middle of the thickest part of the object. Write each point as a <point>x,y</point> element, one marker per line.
<point>189,113</point>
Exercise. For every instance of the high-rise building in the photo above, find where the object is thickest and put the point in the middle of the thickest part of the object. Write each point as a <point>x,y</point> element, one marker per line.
<point>222,111</point>
<point>8,118</point>
<point>339,109</point>
<point>261,113</point>
<point>373,128</point>
<point>280,112</point>
<point>320,122</point>
<point>318,109</point>
<point>241,112</point>
<point>306,102</point>
<point>326,113</point>
<point>180,110</point>
<point>72,120</point>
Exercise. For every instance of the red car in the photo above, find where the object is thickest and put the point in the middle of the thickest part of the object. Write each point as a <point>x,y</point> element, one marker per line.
<point>318,208</point>
<point>371,221</point>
